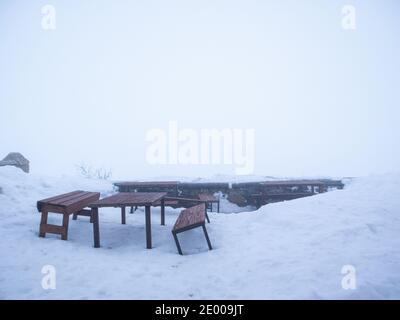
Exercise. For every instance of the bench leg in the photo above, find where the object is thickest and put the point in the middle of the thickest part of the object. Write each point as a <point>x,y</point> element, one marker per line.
<point>162,212</point>
<point>64,234</point>
<point>43,222</point>
<point>96,231</point>
<point>178,246</point>
<point>207,238</point>
<point>123,215</point>
<point>218,207</point>
<point>133,209</point>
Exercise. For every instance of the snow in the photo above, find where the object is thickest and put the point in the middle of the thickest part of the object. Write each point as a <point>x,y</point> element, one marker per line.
<point>288,250</point>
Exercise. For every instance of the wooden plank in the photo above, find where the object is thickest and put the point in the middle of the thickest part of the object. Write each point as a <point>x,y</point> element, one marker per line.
<point>60,196</point>
<point>51,228</point>
<point>61,200</point>
<point>83,203</point>
<point>76,198</point>
<point>84,197</point>
<point>52,208</point>
<point>48,200</point>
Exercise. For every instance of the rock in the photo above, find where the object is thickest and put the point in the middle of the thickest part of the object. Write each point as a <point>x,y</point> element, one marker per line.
<point>17,160</point>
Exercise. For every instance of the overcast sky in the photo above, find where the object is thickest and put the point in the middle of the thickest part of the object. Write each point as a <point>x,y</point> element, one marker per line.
<point>322,100</point>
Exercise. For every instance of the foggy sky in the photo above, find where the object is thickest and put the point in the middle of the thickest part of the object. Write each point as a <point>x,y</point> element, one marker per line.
<point>322,100</point>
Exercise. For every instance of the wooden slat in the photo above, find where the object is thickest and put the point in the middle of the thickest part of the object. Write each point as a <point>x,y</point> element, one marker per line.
<point>191,216</point>
<point>66,199</point>
<point>82,203</point>
<point>81,197</point>
<point>51,228</point>
<point>55,198</point>
<point>62,201</point>
<point>68,202</point>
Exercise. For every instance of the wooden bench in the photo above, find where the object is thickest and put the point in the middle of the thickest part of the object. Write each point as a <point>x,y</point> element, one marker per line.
<point>66,204</point>
<point>184,202</point>
<point>191,218</point>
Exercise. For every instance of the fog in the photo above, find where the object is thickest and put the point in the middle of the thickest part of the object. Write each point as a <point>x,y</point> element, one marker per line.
<point>322,100</point>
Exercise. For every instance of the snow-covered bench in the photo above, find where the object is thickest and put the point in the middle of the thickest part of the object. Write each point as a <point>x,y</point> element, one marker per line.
<point>66,204</point>
<point>191,218</point>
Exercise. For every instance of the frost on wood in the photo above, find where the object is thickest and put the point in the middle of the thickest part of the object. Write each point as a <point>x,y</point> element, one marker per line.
<point>17,160</point>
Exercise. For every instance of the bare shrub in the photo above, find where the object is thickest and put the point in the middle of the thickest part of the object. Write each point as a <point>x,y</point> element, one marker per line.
<point>87,171</point>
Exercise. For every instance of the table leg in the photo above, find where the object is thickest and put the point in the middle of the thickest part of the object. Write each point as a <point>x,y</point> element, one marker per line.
<point>163,212</point>
<point>148,227</point>
<point>123,215</point>
<point>96,231</point>
<point>64,234</point>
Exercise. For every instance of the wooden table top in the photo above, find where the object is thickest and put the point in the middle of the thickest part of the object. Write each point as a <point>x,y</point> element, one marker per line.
<point>129,199</point>
<point>147,183</point>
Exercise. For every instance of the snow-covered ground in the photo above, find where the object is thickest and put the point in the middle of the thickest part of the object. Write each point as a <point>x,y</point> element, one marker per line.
<point>289,250</point>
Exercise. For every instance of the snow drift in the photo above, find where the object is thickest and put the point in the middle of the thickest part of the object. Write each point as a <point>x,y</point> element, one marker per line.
<point>288,250</point>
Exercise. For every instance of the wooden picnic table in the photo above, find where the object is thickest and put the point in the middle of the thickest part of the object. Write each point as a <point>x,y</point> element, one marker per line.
<point>209,199</point>
<point>123,200</point>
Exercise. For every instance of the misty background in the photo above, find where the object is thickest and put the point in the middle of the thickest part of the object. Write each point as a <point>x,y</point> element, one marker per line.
<point>322,100</point>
